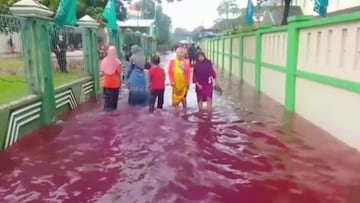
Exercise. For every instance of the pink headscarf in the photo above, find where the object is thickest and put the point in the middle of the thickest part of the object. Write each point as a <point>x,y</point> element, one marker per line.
<point>111,62</point>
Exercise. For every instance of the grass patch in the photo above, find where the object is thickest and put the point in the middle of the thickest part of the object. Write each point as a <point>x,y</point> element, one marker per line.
<point>14,87</point>
<point>12,66</point>
<point>13,83</point>
<point>61,78</point>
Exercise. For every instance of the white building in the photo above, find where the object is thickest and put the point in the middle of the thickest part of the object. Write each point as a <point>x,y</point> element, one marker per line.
<point>334,5</point>
<point>307,6</point>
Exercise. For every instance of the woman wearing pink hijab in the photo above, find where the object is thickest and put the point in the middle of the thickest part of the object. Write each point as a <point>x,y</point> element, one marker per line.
<point>111,69</point>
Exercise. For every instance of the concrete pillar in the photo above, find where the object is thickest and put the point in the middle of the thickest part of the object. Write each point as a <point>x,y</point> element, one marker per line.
<point>37,53</point>
<point>90,49</point>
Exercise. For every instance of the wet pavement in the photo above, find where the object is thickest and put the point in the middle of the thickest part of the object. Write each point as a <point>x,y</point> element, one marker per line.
<point>247,151</point>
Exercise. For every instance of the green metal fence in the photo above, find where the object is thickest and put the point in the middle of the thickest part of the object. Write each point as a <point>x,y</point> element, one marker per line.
<point>12,65</point>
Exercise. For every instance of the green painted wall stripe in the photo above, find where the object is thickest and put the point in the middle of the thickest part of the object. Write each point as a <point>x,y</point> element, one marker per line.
<point>230,55</point>
<point>241,58</point>
<point>331,81</point>
<point>218,53</point>
<point>249,60</point>
<point>273,67</point>
<point>273,29</point>
<point>223,54</point>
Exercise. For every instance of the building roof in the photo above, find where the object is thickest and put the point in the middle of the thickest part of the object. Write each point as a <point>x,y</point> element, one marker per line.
<point>274,14</point>
<point>136,23</point>
<point>343,11</point>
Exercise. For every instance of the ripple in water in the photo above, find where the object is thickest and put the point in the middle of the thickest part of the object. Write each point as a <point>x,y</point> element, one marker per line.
<point>232,155</point>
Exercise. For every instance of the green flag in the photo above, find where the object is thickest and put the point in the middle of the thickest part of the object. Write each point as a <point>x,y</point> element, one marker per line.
<point>66,13</point>
<point>109,15</point>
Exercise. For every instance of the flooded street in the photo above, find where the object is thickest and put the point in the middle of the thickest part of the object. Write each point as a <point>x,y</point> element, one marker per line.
<point>247,151</point>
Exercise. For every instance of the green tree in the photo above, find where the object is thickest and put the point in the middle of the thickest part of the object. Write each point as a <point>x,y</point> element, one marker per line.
<point>227,7</point>
<point>197,32</point>
<point>162,21</point>
<point>147,8</point>
<point>162,26</point>
<point>180,34</point>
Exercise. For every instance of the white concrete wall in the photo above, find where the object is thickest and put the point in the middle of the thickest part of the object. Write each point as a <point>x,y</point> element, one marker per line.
<point>4,47</point>
<point>274,48</point>
<point>249,53</point>
<point>236,54</point>
<point>334,110</point>
<point>235,67</point>
<point>274,52</point>
<point>332,51</point>
<point>249,73</point>
<point>249,47</point>
<point>273,84</point>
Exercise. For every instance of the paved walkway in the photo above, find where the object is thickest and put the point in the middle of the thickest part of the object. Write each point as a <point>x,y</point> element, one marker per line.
<point>247,151</point>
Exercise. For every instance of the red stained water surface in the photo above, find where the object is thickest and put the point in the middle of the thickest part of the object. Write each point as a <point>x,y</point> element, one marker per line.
<point>247,151</point>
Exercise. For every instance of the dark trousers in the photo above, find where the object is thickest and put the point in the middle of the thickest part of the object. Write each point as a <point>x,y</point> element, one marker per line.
<point>111,96</point>
<point>61,58</point>
<point>159,96</point>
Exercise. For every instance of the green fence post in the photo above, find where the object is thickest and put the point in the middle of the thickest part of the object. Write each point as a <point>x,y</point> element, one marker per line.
<point>214,51</point>
<point>218,52</point>
<point>291,62</point>
<point>223,53</point>
<point>121,45</point>
<point>90,50</point>
<point>241,57</point>
<point>231,55</point>
<point>258,61</point>
<point>38,60</point>
<point>258,56</point>
<point>114,40</point>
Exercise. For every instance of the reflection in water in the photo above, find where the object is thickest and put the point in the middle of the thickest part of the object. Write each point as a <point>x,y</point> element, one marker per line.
<point>239,153</point>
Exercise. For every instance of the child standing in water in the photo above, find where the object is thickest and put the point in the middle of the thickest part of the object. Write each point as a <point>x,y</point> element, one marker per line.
<point>156,84</point>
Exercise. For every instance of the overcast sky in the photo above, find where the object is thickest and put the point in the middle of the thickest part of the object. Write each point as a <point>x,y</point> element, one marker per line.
<point>191,13</point>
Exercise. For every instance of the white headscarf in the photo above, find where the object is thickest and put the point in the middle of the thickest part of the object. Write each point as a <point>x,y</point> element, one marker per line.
<point>137,56</point>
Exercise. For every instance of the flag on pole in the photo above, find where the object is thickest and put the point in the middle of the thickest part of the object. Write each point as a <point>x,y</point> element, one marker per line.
<point>249,13</point>
<point>320,7</point>
<point>109,14</point>
<point>66,13</point>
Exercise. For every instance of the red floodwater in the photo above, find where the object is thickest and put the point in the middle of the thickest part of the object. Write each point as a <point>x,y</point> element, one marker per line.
<point>247,151</point>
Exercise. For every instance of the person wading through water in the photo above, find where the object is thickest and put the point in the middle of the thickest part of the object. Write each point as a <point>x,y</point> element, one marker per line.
<point>111,69</point>
<point>179,74</point>
<point>136,78</point>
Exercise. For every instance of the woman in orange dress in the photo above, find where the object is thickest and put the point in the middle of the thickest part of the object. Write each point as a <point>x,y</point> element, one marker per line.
<point>111,69</point>
<point>179,75</point>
